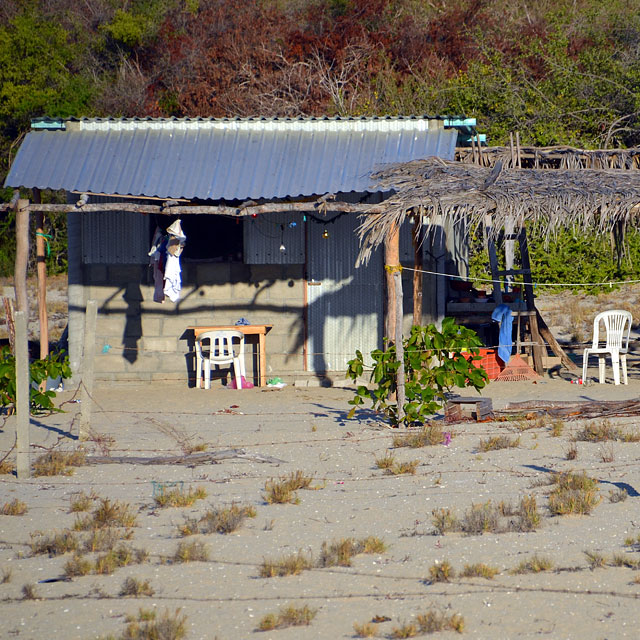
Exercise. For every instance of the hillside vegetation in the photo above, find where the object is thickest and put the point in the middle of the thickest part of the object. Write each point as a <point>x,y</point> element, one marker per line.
<point>557,71</point>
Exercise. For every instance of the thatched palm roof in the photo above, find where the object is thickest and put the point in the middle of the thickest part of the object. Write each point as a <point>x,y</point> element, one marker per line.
<point>585,198</point>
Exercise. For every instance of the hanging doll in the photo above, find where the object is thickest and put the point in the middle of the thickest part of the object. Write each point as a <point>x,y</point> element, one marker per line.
<point>165,260</point>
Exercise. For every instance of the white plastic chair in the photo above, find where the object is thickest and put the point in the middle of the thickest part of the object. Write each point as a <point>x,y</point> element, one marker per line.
<point>219,351</point>
<point>617,324</point>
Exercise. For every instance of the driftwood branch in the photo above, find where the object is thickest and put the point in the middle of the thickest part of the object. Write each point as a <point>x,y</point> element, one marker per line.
<point>190,460</point>
<point>220,210</point>
<point>570,410</point>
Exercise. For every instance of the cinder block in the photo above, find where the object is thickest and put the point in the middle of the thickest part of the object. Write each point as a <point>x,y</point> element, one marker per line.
<point>160,344</point>
<point>212,273</point>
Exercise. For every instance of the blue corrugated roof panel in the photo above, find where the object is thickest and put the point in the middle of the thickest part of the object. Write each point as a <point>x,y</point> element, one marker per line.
<point>224,159</point>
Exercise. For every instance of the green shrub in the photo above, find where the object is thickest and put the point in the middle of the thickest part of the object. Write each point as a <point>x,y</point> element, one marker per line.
<point>435,362</point>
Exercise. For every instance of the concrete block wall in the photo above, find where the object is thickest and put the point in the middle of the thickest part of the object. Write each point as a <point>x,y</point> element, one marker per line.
<point>139,339</point>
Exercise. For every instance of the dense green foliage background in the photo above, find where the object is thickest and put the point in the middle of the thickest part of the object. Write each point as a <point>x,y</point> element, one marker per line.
<point>557,71</point>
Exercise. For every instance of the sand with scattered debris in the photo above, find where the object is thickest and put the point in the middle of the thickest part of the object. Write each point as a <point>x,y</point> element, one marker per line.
<point>225,597</point>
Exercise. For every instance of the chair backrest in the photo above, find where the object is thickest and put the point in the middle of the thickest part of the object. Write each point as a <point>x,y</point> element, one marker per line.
<point>221,345</point>
<point>617,324</point>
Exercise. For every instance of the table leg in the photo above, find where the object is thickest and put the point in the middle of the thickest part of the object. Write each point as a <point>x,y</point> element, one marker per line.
<point>262,360</point>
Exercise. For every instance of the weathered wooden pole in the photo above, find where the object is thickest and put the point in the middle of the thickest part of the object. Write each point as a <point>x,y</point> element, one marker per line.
<point>418,263</point>
<point>86,397</point>
<point>23,466</point>
<point>41,270</point>
<point>399,311</point>
<point>391,261</point>
<point>23,458</point>
<point>22,256</point>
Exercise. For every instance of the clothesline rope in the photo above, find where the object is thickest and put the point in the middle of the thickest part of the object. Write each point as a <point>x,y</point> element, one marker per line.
<point>610,283</point>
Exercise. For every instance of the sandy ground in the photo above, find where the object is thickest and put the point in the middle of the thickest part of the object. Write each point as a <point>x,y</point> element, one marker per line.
<point>225,598</point>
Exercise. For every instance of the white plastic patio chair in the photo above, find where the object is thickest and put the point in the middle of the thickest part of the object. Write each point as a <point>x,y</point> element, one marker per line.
<point>617,325</point>
<point>217,348</point>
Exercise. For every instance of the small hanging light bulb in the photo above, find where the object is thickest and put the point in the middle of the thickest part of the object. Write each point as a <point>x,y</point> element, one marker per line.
<point>325,234</point>
<point>282,248</point>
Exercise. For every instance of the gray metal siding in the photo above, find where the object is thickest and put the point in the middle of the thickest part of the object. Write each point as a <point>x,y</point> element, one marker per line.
<point>224,160</point>
<point>264,234</point>
<point>114,237</point>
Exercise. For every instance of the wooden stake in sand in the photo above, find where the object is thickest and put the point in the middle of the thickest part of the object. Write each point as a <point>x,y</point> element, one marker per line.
<point>23,460</point>
<point>88,355</point>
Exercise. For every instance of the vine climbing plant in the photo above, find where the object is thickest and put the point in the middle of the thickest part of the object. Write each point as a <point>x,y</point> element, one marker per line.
<point>435,362</point>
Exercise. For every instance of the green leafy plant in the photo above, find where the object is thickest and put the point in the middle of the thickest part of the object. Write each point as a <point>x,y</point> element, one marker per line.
<point>435,362</point>
<point>55,365</point>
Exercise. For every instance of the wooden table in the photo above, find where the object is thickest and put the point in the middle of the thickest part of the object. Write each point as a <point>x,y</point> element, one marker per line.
<point>259,330</point>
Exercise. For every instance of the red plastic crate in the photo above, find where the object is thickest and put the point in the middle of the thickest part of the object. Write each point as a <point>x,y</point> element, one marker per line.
<point>490,362</point>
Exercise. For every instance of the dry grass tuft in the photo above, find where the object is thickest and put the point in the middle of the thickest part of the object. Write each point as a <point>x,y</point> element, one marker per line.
<point>7,467</point>
<point>479,570</point>
<point>535,564</point>
<point>599,432</point>
<point>498,442</point>
<point>403,468</point>
<point>286,566</point>
<point>107,514</point>
<point>284,489</point>
<point>407,630</point>
<point>288,616</point>
<point>148,626</point>
<point>386,462</point>
<point>6,576</point>
<point>77,566</point>
<point>365,630</point>
<point>81,501</point>
<point>226,520</point>
<point>444,521</point>
<point>121,556</point>
<point>179,498</point>
<point>572,452</point>
<point>573,493</point>
<point>433,622</point>
<point>618,495</point>
<point>429,435</point>
<point>55,544</point>
<point>298,480</point>
<point>622,560</point>
<point>58,463</point>
<point>441,572</point>
<point>194,551</point>
<point>132,587</point>
<point>481,518</point>
<point>104,539</point>
<point>29,592</point>
<point>340,552</point>
<point>595,559</point>
<point>528,515</point>
<point>14,508</point>
<point>557,428</point>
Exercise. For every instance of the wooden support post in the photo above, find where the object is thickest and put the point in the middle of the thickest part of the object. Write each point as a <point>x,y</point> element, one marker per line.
<point>538,346</point>
<point>88,355</point>
<point>509,248</point>
<point>397,277</point>
<point>391,260</point>
<point>417,274</point>
<point>493,258</point>
<point>22,256</point>
<point>23,460</point>
<point>41,269</point>
<point>545,332</point>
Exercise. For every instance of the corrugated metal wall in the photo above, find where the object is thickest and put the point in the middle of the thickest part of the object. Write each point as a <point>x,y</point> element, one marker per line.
<point>265,234</point>
<point>114,237</point>
<point>345,304</point>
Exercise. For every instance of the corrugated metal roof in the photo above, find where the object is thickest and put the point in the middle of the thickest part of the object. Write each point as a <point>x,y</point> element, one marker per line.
<point>230,159</point>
